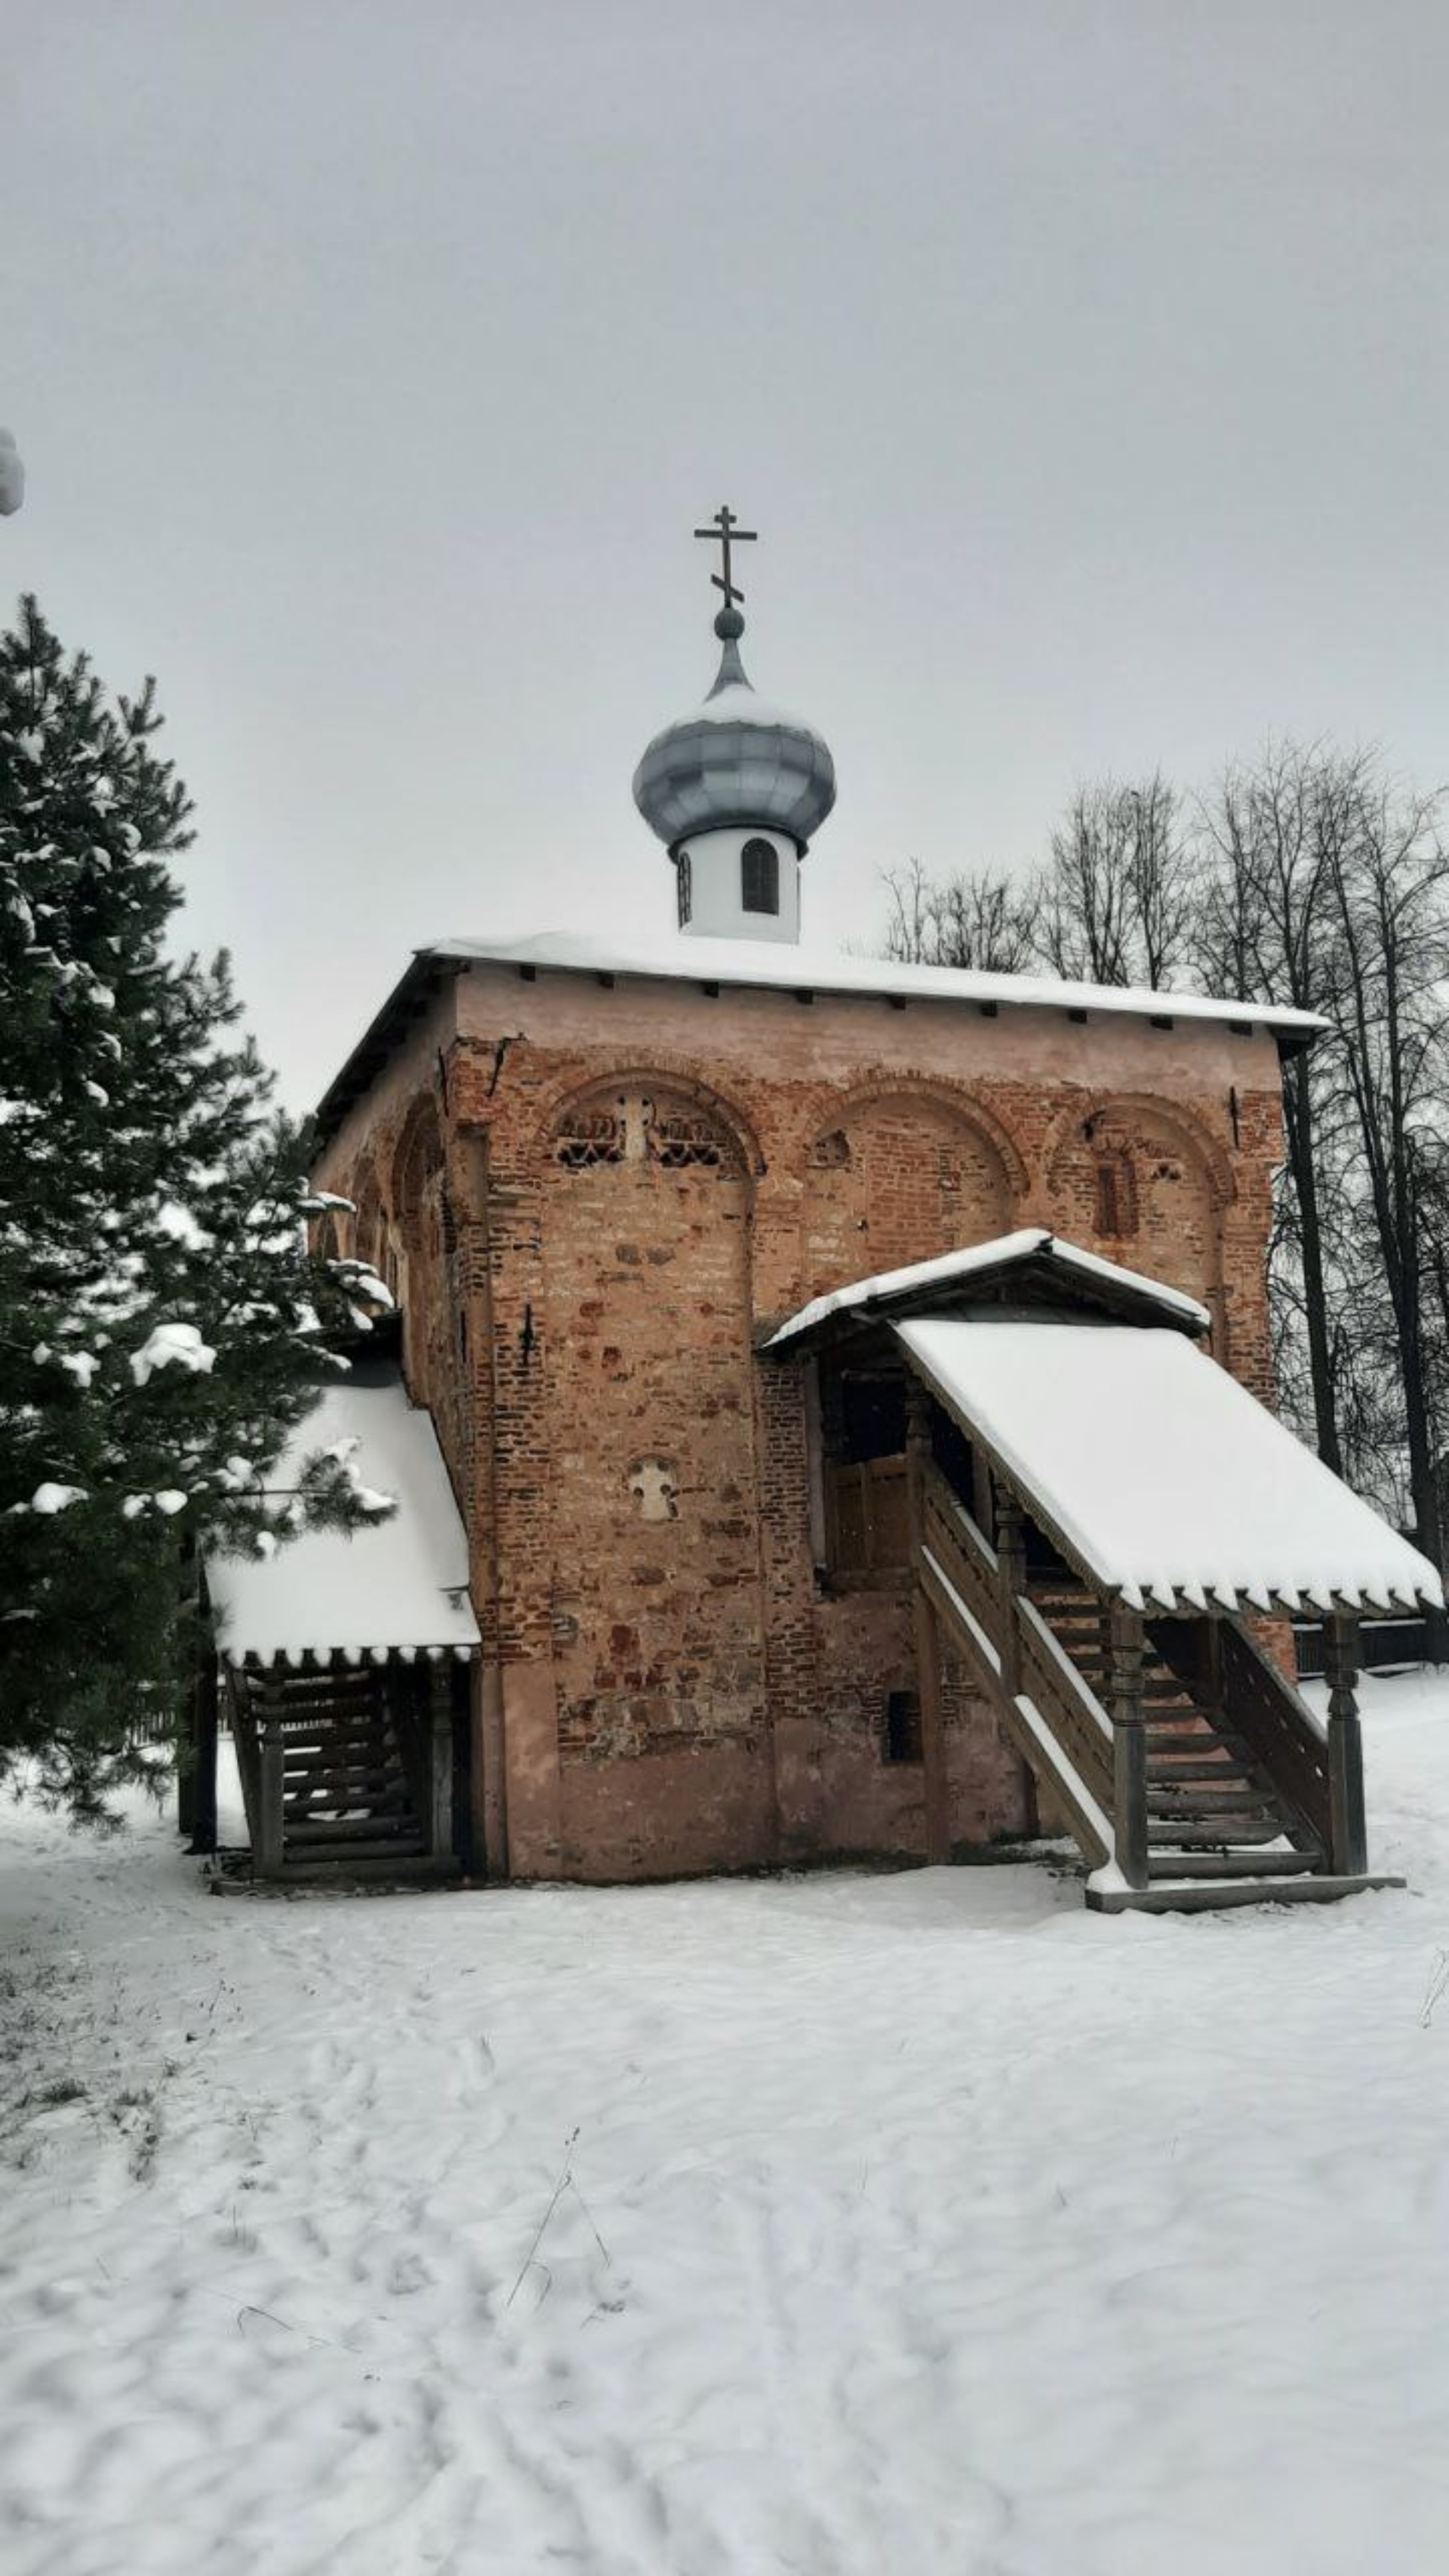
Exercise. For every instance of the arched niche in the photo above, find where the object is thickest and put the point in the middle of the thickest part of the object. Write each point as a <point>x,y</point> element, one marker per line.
<point>899,1175</point>
<point>1140,1181</point>
<point>368,1221</point>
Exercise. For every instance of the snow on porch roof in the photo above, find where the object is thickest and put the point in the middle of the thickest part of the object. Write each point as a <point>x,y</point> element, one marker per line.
<point>400,1586</point>
<point>1035,1244</point>
<point>1159,1474</point>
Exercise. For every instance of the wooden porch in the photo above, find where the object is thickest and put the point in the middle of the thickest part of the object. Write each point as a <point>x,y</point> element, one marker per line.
<point>351,1772</point>
<point>1186,1767</point>
<point>1098,1513</point>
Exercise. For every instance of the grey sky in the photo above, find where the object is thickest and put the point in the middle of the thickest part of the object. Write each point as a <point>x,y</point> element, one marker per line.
<point>1082,367</point>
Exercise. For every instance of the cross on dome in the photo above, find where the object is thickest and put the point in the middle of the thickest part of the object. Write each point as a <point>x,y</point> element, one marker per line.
<point>725,531</point>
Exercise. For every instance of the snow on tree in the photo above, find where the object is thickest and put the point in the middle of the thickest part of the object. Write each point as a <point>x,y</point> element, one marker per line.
<point>162,1324</point>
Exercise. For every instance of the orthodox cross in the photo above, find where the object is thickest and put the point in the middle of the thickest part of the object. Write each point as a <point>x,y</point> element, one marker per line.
<point>725,531</point>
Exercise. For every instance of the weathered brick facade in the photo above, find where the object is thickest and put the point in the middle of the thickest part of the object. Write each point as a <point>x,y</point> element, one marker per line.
<point>594,1198</point>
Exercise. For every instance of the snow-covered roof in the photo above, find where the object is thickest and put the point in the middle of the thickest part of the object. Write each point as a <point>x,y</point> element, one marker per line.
<point>778,966</point>
<point>1159,1474</point>
<point>1031,1243</point>
<point>398,1586</point>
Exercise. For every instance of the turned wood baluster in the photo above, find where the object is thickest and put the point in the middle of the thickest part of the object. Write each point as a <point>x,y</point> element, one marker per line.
<point>1349,1838</point>
<point>1129,1745</point>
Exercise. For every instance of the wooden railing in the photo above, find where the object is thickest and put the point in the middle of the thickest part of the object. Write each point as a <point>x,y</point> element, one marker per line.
<point>1062,1732</point>
<point>1076,1717</point>
<point>963,1552</point>
<point>1091,1754</point>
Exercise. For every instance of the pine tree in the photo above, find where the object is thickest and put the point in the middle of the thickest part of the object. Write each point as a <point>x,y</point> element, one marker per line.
<point>162,1324</point>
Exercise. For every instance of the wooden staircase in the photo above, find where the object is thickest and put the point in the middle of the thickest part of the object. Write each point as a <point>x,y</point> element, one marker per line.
<point>1214,1810</point>
<point>1209,1782</point>
<point>345,1769</point>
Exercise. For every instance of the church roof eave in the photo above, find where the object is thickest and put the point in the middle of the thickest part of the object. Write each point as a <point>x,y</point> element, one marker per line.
<point>788,970</point>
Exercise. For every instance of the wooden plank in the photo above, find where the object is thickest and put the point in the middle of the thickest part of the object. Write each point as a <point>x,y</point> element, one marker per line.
<point>359,1829</point>
<point>268,1849</point>
<point>368,1869</point>
<point>1214,1896</point>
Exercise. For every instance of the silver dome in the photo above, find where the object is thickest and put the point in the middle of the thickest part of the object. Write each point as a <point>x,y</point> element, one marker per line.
<point>736,762</point>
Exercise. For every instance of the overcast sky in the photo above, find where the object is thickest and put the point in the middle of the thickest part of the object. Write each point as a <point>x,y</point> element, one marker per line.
<point>1082,366</point>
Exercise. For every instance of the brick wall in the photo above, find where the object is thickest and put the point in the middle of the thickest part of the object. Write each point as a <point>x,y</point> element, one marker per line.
<point>596,1201</point>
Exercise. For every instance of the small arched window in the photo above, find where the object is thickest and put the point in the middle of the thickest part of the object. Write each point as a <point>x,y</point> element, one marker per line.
<point>759,877</point>
<point>685,877</point>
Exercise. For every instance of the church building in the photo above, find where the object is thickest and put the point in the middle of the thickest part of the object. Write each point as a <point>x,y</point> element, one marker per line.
<point>831,1409</point>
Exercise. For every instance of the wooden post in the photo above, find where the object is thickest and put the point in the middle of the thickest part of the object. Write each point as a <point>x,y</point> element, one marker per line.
<point>1011,1579</point>
<point>1349,1855</point>
<point>935,1785</point>
<point>186,1768</point>
<point>204,1713</point>
<point>186,1744</point>
<point>918,1457</point>
<point>268,1856</point>
<point>1129,1746</point>
<point>440,1762</point>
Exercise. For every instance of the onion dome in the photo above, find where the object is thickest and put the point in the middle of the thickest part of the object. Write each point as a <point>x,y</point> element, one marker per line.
<point>735,763</point>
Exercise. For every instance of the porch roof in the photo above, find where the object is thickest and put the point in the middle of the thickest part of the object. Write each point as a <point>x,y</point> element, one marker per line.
<point>399,1586</point>
<point>1160,1477</point>
<point>1032,1258</point>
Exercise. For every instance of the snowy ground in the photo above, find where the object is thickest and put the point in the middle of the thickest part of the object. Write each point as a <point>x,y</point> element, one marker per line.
<point>923,2223</point>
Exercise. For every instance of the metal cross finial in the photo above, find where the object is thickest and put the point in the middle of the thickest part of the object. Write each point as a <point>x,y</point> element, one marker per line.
<point>724,530</point>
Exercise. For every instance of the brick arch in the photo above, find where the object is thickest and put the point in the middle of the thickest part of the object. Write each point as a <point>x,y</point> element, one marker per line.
<point>963,1109</point>
<point>901,1172</point>
<point>365,1193</point>
<point>423,1233</point>
<point>417,1159</point>
<point>1167,1186</point>
<point>563,1099</point>
<point>1189,1132</point>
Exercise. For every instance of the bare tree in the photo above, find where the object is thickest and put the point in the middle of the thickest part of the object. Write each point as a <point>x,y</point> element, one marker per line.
<point>1117,898</point>
<point>1264,930</point>
<point>981,920</point>
<point>1387,886</point>
<point>1312,880</point>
